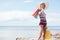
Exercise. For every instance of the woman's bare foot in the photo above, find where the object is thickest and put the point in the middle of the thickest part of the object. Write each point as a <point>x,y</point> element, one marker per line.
<point>39,39</point>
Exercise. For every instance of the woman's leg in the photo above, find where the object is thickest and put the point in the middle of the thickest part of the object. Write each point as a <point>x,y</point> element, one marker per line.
<point>40,31</point>
<point>44,31</point>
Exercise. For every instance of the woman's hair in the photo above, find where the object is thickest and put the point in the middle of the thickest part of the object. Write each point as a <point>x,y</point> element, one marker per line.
<point>43,5</point>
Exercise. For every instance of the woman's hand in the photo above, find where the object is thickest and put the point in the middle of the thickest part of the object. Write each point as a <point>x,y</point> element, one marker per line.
<point>40,11</point>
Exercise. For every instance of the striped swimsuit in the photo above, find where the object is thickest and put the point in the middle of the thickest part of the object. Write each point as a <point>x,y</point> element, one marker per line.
<point>42,19</point>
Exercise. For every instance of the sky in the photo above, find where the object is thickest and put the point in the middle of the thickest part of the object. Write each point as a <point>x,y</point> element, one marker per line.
<point>19,12</point>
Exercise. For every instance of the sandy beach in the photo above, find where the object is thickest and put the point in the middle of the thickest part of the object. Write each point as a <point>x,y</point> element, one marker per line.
<point>53,37</point>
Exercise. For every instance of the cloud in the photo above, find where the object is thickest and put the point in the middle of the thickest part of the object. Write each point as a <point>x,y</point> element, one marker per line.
<point>53,19</point>
<point>28,1</point>
<point>53,16</point>
<point>7,15</point>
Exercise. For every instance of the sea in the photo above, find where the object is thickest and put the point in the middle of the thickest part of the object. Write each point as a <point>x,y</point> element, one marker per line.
<point>12,32</point>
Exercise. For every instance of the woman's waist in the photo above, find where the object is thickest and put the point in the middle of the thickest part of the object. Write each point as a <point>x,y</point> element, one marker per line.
<point>43,20</point>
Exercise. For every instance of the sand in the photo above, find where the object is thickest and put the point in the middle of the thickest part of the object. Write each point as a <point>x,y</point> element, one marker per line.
<point>23,38</point>
<point>53,37</point>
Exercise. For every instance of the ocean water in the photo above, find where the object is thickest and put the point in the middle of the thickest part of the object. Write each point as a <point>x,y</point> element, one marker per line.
<point>12,32</point>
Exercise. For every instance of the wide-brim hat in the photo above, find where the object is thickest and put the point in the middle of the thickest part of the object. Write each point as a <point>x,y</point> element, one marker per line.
<point>46,4</point>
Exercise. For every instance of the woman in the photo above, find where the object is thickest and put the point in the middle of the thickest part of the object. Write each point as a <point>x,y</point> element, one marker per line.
<point>43,22</point>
